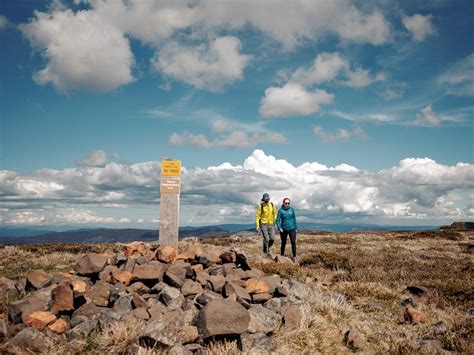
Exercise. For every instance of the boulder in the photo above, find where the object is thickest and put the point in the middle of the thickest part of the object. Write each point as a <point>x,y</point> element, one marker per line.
<point>213,257</point>
<point>217,282</point>
<point>263,320</point>
<point>175,276</point>
<point>274,281</point>
<point>3,329</point>
<point>282,260</point>
<point>207,296</point>
<point>82,330</point>
<point>91,264</point>
<point>280,291</point>
<point>37,301</point>
<point>231,288</point>
<point>8,290</point>
<point>60,326</point>
<point>106,274</point>
<point>261,297</point>
<point>166,253</point>
<point>179,350</point>
<point>62,298</point>
<point>254,285</point>
<point>138,301</point>
<point>129,265</point>
<point>138,287</point>
<point>187,255</point>
<point>157,310</point>
<point>138,313</point>
<point>190,334</point>
<point>292,317</point>
<point>298,291</point>
<point>228,257</point>
<point>99,293</point>
<point>40,319</point>
<point>37,279</point>
<point>414,316</point>
<point>196,249</point>
<point>172,298</point>
<point>201,277</point>
<point>222,317</point>
<point>166,330</point>
<point>79,286</point>
<point>257,343</point>
<point>123,305</point>
<point>234,274</point>
<point>88,310</point>
<point>191,288</point>
<point>33,340</point>
<point>124,277</point>
<point>148,272</point>
<point>134,248</point>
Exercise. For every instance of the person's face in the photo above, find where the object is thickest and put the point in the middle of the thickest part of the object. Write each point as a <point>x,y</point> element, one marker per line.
<point>286,203</point>
<point>266,200</point>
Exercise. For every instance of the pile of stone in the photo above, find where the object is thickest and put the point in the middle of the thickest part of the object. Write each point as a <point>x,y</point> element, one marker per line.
<point>184,299</point>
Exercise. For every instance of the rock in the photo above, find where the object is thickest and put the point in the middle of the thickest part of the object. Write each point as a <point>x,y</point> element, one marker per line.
<point>175,276</point>
<point>234,274</point>
<point>129,265</point>
<point>292,317</point>
<point>439,328</point>
<point>3,329</point>
<point>140,313</point>
<point>37,279</point>
<point>79,286</point>
<point>231,288</point>
<point>254,285</point>
<point>124,277</point>
<point>263,320</point>
<point>123,305</point>
<point>157,310</point>
<point>37,301</point>
<point>179,350</point>
<point>91,264</point>
<point>215,270</point>
<point>256,343</point>
<point>274,281</point>
<point>172,298</point>
<point>107,318</point>
<point>117,291</point>
<point>470,312</point>
<point>190,315</point>
<point>222,317</point>
<point>197,267</point>
<point>88,310</point>
<point>409,302</point>
<point>138,287</point>
<point>207,296</point>
<point>261,297</point>
<point>297,290</point>
<point>280,291</point>
<point>148,272</point>
<point>418,290</point>
<point>60,326</point>
<point>134,248</point>
<point>228,257</point>
<point>166,330</point>
<point>187,255</point>
<point>414,316</point>
<point>138,301</point>
<point>213,257</point>
<point>8,290</point>
<point>33,340</point>
<point>82,330</point>
<point>190,334</point>
<point>282,260</point>
<point>217,282</point>
<point>40,319</point>
<point>106,274</point>
<point>203,261</point>
<point>254,273</point>
<point>62,298</point>
<point>354,339</point>
<point>191,288</point>
<point>196,249</point>
<point>99,293</point>
<point>166,254</point>
<point>201,277</point>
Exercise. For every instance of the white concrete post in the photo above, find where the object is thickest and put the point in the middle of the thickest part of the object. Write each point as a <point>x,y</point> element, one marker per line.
<point>169,201</point>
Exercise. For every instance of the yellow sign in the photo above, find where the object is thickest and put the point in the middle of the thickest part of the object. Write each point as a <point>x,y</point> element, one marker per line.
<point>170,168</point>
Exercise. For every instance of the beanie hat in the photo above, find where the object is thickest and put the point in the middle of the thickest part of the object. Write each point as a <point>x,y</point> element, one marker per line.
<point>266,196</point>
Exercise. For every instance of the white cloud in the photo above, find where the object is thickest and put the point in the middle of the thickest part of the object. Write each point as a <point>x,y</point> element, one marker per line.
<point>419,26</point>
<point>427,117</point>
<point>329,67</point>
<point>208,67</point>
<point>82,51</point>
<point>418,190</point>
<point>292,100</point>
<point>233,140</point>
<point>340,135</point>
<point>96,159</point>
<point>371,117</point>
<point>459,79</point>
<point>3,22</point>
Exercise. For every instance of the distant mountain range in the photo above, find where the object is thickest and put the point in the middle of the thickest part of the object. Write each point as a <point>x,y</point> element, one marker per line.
<point>12,235</point>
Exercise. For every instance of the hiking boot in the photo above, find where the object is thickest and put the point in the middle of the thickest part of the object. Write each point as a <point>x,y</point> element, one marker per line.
<point>294,259</point>
<point>269,255</point>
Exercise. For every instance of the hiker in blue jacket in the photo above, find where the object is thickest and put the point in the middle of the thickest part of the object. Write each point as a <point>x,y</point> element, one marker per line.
<point>286,224</point>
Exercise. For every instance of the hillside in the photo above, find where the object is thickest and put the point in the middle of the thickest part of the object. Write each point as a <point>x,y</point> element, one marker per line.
<point>398,292</point>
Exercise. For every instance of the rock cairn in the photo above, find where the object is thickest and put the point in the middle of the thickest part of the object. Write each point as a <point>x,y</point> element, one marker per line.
<point>184,299</point>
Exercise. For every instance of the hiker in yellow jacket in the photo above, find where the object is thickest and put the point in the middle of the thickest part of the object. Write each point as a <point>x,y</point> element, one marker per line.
<point>265,221</point>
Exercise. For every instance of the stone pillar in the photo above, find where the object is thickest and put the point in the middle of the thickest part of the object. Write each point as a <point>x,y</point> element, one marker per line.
<point>169,201</point>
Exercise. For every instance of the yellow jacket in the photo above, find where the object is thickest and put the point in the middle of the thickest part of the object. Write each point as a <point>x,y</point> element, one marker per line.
<point>266,214</point>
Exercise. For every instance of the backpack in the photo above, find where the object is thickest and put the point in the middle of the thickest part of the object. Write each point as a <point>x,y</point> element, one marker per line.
<point>261,208</point>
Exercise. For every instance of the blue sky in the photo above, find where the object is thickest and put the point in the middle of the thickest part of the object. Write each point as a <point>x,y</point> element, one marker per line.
<point>359,111</point>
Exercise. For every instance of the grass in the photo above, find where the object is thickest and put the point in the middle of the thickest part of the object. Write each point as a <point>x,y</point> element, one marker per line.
<point>369,270</point>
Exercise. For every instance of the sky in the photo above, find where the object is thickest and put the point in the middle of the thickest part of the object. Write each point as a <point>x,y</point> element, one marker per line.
<point>358,111</point>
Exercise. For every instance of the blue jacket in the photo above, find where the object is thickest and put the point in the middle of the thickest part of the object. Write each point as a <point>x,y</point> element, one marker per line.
<point>286,219</point>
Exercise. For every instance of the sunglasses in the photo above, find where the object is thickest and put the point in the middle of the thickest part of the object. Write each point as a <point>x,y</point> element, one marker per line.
<point>286,203</point>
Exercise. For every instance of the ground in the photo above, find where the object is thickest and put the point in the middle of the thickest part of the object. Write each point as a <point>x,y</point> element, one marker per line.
<point>359,280</point>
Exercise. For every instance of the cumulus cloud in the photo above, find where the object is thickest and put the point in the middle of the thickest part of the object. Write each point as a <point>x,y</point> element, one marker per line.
<point>341,134</point>
<point>208,67</point>
<point>427,117</point>
<point>3,22</point>
<point>97,159</point>
<point>81,50</point>
<point>419,26</point>
<point>418,190</point>
<point>292,100</point>
<point>331,66</point>
<point>459,79</point>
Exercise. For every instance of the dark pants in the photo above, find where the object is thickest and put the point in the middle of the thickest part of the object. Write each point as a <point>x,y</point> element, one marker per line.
<point>283,236</point>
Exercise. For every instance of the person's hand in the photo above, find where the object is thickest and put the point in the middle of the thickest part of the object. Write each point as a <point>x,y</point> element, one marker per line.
<point>257,230</point>
<point>281,230</point>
